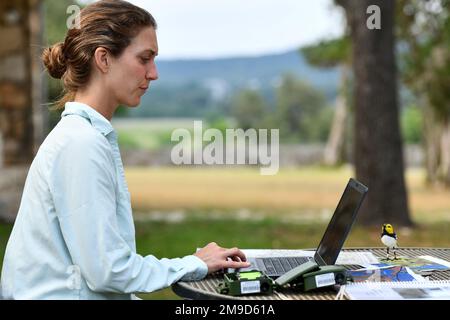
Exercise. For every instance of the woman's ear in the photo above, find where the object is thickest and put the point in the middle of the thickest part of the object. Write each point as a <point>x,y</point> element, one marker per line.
<point>102,59</point>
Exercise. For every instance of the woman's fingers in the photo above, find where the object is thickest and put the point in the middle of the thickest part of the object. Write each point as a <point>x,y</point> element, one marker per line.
<point>236,264</point>
<point>237,259</point>
<point>235,252</point>
<point>234,258</point>
<point>218,258</point>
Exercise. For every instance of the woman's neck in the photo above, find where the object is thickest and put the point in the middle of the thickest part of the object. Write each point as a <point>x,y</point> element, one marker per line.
<point>97,98</point>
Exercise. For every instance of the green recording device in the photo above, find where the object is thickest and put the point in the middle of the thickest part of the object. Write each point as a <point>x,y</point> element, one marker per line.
<point>310,275</point>
<point>305,277</point>
<point>246,282</point>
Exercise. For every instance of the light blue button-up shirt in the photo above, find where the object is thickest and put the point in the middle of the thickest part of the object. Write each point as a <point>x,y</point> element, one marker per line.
<point>74,236</point>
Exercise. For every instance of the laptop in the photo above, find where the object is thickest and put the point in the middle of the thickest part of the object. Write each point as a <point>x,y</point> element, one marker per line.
<point>332,241</point>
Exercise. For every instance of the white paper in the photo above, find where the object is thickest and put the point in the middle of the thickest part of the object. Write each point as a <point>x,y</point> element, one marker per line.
<point>415,290</point>
<point>362,258</point>
<point>436,260</point>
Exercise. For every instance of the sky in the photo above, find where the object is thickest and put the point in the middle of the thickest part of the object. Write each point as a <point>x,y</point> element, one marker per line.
<point>229,28</point>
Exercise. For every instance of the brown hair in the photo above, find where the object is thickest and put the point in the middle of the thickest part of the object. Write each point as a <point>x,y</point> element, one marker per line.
<point>110,24</point>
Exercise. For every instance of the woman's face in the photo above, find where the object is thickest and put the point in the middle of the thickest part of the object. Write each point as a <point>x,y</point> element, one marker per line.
<point>130,74</point>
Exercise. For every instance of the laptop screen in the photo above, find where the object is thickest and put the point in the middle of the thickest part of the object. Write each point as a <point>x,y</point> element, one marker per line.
<point>341,223</point>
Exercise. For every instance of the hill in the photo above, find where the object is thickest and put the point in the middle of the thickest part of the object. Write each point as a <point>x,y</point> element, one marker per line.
<point>194,87</point>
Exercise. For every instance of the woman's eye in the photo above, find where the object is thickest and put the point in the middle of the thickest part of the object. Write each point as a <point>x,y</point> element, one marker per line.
<point>145,60</point>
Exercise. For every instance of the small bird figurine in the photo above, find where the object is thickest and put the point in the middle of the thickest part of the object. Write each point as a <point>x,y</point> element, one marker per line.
<point>389,239</point>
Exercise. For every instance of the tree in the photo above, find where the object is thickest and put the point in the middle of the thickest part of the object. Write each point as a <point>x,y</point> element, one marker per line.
<point>249,109</point>
<point>301,112</point>
<point>377,153</point>
<point>424,30</point>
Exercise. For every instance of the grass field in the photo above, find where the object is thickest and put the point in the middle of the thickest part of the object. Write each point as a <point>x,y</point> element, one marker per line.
<point>305,192</point>
<point>148,134</point>
<point>179,209</point>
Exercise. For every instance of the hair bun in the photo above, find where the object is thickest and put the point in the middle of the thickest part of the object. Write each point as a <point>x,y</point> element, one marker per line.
<point>54,60</point>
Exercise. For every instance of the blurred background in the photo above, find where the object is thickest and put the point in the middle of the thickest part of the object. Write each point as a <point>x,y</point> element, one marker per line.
<point>353,93</point>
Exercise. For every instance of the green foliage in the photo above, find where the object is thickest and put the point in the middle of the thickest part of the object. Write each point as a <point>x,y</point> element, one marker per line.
<point>300,111</point>
<point>221,124</point>
<point>249,109</point>
<point>424,32</point>
<point>55,28</point>
<point>121,111</point>
<point>328,53</point>
<point>128,140</point>
<point>148,139</point>
<point>320,128</point>
<point>5,231</point>
<point>411,124</point>
<point>55,13</point>
<point>189,100</point>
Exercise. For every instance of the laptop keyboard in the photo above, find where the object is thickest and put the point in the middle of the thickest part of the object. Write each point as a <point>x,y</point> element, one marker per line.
<point>284,264</point>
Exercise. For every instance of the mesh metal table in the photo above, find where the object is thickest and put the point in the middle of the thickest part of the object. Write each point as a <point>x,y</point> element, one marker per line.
<point>206,289</point>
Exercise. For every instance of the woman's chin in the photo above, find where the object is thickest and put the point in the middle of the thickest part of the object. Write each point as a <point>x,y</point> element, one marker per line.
<point>133,103</point>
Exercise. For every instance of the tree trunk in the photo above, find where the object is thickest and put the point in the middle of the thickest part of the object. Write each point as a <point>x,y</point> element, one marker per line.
<point>378,153</point>
<point>432,132</point>
<point>445,155</point>
<point>437,148</point>
<point>334,150</point>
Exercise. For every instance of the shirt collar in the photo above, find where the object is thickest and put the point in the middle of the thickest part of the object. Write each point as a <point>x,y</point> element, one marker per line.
<point>98,121</point>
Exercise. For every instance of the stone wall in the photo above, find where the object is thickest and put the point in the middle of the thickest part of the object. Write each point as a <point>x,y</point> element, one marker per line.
<point>290,156</point>
<point>11,186</point>
<point>21,115</point>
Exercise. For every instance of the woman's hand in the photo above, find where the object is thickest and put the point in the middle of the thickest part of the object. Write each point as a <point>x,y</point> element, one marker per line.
<point>217,258</point>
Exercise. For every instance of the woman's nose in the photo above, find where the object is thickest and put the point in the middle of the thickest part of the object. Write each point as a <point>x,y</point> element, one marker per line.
<point>152,73</point>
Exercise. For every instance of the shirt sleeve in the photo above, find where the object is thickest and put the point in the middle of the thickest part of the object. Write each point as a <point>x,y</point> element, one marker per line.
<point>83,184</point>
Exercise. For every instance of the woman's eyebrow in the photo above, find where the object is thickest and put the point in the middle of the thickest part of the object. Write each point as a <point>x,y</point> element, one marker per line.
<point>151,51</point>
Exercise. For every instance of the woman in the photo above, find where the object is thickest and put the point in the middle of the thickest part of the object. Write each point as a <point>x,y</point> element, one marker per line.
<point>74,235</point>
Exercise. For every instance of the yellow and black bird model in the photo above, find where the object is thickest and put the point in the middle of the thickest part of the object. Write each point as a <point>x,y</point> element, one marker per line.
<point>389,239</point>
